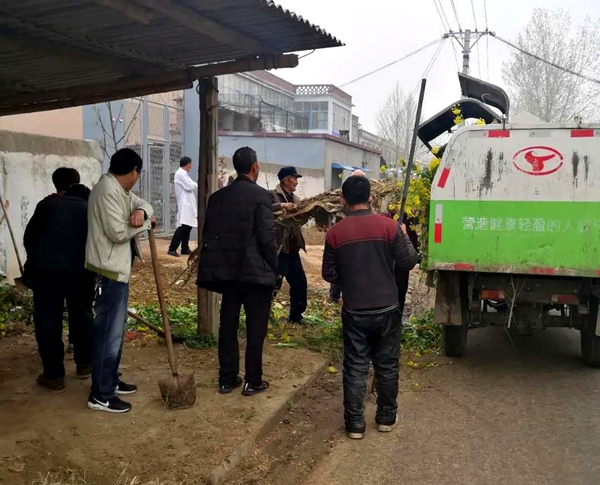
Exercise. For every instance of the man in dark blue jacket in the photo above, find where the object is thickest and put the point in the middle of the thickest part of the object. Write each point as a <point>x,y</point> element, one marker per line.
<point>239,260</point>
<point>55,241</point>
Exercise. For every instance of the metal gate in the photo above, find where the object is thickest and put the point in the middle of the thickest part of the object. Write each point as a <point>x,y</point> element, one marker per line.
<point>154,129</point>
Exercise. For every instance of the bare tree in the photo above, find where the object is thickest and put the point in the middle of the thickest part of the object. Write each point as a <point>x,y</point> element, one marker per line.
<point>112,136</point>
<point>395,122</point>
<point>543,90</point>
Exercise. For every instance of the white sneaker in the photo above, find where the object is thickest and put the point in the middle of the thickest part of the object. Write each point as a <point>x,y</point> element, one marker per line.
<point>356,436</point>
<point>386,428</point>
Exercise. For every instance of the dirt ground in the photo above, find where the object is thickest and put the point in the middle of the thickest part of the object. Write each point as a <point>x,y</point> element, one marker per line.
<point>42,433</point>
<point>313,427</point>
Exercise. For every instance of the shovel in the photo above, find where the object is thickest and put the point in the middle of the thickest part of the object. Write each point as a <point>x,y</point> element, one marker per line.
<point>178,391</point>
<point>18,281</point>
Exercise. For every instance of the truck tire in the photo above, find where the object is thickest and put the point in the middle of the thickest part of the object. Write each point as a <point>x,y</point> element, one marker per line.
<point>455,340</point>
<point>590,342</point>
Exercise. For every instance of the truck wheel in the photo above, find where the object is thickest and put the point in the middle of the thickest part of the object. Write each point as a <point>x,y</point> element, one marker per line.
<point>455,340</point>
<point>590,343</point>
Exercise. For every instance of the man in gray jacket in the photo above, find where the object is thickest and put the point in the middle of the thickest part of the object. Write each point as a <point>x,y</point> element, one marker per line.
<point>115,217</point>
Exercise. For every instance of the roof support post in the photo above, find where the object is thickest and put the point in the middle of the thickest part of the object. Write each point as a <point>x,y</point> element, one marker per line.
<point>207,184</point>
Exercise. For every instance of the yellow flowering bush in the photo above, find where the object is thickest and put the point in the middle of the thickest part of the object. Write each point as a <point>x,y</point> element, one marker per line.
<point>418,200</point>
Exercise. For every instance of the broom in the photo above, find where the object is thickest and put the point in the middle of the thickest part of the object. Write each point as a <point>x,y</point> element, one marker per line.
<point>178,391</point>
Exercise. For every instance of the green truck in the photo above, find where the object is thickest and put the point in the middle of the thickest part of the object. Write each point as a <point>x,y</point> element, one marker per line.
<point>514,235</point>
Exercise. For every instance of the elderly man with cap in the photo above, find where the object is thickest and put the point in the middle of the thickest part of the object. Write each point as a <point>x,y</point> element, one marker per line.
<point>289,242</point>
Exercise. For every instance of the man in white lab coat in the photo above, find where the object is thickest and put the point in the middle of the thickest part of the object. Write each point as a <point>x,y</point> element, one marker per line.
<point>187,214</point>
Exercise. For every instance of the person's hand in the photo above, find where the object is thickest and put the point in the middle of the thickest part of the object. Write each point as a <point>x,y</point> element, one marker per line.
<point>153,222</point>
<point>403,229</point>
<point>288,206</point>
<point>137,219</point>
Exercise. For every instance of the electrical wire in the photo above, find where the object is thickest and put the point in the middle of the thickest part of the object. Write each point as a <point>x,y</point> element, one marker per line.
<point>306,55</point>
<point>393,62</point>
<point>487,39</point>
<point>456,15</point>
<point>384,138</point>
<point>546,61</point>
<point>447,28</point>
<point>476,29</point>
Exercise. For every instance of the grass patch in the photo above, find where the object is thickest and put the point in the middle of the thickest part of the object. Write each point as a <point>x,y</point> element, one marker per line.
<point>16,310</point>
<point>183,320</point>
<point>421,335</point>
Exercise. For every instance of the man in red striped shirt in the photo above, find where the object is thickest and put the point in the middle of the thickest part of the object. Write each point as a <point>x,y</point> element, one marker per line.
<point>361,254</point>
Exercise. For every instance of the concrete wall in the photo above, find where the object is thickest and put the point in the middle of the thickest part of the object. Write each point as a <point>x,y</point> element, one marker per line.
<point>350,155</point>
<point>65,123</point>
<point>282,151</point>
<point>191,127</point>
<point>311,183</point>
<point>27,164</point>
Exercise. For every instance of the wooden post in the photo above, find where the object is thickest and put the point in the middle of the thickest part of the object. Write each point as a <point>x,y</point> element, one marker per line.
<point>208,323</point>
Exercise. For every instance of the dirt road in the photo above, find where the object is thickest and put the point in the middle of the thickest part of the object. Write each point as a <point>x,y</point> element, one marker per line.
<point>505,415</point>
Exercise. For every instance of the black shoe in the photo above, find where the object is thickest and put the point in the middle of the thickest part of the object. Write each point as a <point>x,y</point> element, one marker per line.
<point>186,252</point>
<point>252,389</point>
<point>55,386</point>
<point>173,253</point>
<point>124,388</point>
<point>84,371</point>
<point>227,388</point>
<point>113,405</point>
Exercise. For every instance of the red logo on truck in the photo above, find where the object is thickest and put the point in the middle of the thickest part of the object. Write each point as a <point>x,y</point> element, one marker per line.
<point>538,161</point>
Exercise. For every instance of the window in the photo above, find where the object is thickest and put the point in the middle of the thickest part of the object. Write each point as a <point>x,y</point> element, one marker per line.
<point>341,118</point>
<point>316,112</point>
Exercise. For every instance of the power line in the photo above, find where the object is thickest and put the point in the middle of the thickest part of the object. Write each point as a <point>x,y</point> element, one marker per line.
<point>444,13</point>
<point>541,59</point>
<point>487,40</point>
<point>456,15</point>
<point>447,27</point>
<point>384,138</point>
<point>478,50</point>
<point>393,62</point>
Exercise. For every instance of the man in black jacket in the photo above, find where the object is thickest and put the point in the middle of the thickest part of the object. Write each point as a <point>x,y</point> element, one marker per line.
<point>361,254</point>
<point>239,260</point>
<point>55,241</point>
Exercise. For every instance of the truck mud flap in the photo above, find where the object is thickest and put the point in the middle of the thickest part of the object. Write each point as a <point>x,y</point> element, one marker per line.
<point>448,310</point>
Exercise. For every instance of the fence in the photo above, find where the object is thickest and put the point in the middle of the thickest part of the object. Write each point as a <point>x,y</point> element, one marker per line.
<point>244,112</point>
<point>154,129</point>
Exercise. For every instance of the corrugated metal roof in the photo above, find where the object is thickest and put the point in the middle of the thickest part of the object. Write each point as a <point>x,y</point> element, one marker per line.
<point>49,46</point>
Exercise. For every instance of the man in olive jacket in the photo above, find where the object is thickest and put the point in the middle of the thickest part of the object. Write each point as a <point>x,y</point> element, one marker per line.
<point>290,241</point>
<point>239,260</point>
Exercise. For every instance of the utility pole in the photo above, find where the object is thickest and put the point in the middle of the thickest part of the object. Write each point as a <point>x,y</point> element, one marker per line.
<point>466,52</point>
<point>464,39</point>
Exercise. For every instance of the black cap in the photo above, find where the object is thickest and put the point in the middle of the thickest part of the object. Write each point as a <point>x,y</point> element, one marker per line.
<point>287,172</point>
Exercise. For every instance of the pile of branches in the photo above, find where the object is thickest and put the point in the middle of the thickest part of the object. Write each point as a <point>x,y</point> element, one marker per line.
<point>327,207</point>
<point>324,209</point>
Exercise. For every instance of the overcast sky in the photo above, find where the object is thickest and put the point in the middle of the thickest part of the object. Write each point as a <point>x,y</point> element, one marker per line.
<point>378,31</point>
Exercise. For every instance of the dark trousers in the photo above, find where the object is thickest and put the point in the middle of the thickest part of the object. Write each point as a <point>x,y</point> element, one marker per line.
<point>257,305</point>
<point>335,292</point>
<point>370,337</point>
<point>50,291</point>
<point>402,278</point>
<point>108,334</point>
<point>181,236</point>
<point>290,268</point>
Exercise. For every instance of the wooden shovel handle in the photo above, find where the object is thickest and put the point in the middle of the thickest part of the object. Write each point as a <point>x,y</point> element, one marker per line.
<point>12,235</point>
<point>162,302</point>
